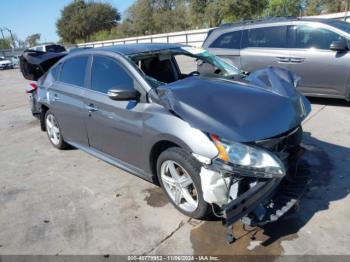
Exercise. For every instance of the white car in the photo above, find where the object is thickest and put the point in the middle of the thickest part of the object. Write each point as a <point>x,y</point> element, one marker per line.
<point>5,64</point>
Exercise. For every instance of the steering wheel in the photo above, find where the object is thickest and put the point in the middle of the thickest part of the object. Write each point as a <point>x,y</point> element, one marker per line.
<point>194,73</point>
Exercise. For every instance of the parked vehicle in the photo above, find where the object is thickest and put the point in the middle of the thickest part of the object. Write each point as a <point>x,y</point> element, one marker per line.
<point>49,48</point>
<point>315,49</point>
<point>15,61</point>
<point>5,63</point>
<point>212,137</point>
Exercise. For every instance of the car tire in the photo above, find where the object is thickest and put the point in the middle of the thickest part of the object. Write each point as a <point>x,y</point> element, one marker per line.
<point>53,131</point>
<point>176,169</point>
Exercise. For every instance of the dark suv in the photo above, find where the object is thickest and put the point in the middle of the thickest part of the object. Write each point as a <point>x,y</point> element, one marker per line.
<point>315,49</point>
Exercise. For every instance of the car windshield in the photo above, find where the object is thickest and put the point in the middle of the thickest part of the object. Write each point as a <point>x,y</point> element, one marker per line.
<point>167,66</point>
<point>2,59</point>
<point>222,67</point>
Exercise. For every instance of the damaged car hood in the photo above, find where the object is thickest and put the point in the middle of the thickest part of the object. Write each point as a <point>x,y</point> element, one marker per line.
<point>263,105</point>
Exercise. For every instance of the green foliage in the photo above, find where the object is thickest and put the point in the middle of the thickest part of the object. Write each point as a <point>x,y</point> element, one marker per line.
<point>284,8</point>
<point>198,12</point>
<point>84,21</point>
<point>80,19</point>
<point>233,10</point>
<point>316,7</point>
<point>157,16</point>
<point>33,40</point>
<point>334,6</point>
<point>5,43</point>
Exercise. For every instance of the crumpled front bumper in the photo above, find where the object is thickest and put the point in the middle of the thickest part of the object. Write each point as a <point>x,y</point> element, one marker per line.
<point>268,199</point>
<point>249,200</point>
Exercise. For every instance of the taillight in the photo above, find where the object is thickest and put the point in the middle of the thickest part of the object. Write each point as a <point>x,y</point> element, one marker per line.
<point>31,88</point>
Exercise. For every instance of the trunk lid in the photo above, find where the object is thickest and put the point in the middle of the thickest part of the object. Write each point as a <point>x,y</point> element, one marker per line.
<point>34,64</point>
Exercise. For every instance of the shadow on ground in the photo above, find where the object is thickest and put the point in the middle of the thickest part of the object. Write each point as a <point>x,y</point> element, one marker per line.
<point>326,164</point>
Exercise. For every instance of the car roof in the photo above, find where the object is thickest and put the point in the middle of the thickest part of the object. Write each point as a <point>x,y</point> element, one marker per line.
<point>273,20</point>
<point>130,49</point>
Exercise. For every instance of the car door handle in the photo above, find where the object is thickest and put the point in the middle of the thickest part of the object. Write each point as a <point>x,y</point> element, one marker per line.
<point>91,108</point>
<point>283,59</point>
<point>297,60</point>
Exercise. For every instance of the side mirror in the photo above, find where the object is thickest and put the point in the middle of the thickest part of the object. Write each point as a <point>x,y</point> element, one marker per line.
<point>339,46</point>
<point>123,95</point>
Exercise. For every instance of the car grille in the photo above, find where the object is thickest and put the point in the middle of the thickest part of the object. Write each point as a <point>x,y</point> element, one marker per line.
<point>284,142</point>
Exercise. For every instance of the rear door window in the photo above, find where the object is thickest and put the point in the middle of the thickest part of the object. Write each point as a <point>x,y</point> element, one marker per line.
<point>313,37</point>
<point>230,40</point>
<point>55,71</point>
<point>268,37</point>
<point>73,71</point>
<point>106,73</point>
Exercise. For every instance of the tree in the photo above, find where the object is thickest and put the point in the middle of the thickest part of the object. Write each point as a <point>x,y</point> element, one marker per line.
<point>5,43</point>
<point>157,16</point>
<point>139,17</point>
<point>198,12</point>
<point>316,7</point>
<point>284,8</point>
<point>233,10</point>
<point>33,39</point>
<point>170,15</point>
<point>80,19</point>
<point>335,6</point>
<point>213,14</point>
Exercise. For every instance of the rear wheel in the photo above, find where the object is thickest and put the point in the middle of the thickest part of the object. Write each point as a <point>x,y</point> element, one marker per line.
<point>178,174</point>
<point>53,131</point>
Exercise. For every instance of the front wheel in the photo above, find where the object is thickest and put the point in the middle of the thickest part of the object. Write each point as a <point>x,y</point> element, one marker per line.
<point>178,174</point>
<point>53,131</point>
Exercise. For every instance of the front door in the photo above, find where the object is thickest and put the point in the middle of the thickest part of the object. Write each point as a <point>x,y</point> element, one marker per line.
<point>114,127</point>
<point>322,70</point>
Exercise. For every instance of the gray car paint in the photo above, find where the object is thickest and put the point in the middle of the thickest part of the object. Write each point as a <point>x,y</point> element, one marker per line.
<point>323,72</point>
<point>124,133</point>
<point>239,110</point>
<point>114,127</point>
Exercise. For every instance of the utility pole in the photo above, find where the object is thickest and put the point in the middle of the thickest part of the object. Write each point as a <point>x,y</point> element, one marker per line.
<point>2,33</point>
<point>3,37</point>
<point>13,40</point>
<point>347,9</point>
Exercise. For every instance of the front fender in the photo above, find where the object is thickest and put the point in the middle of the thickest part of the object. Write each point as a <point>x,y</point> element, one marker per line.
<point>165,126</point>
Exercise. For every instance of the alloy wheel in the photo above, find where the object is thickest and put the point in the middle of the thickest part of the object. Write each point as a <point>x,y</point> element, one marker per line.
<point>52,129</point>
<point>179,186</point>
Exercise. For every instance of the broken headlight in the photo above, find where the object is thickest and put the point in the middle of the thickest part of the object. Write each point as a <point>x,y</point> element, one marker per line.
<point>248,160</point>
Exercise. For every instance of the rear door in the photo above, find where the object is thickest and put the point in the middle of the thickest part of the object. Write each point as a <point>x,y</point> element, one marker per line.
<point>226,45</point>
<point>322,70</point>
<point>66,98</point>
<point>114,127</point>
<point>264,46</point>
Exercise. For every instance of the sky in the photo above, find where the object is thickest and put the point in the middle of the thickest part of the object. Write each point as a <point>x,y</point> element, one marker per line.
<point>26,17</point>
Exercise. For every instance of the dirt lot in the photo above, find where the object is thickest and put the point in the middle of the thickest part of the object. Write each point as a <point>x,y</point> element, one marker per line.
<point>67,202</point>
